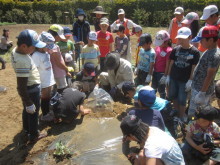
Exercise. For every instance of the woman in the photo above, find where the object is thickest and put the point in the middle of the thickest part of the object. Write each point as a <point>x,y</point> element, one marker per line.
<point>157,147</point>
<point>5,45</point>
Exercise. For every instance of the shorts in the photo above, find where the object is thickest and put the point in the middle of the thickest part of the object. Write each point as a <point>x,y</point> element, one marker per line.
<point>61,82</point>
<point>177,91</point>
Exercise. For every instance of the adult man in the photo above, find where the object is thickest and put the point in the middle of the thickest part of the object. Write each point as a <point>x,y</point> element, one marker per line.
<point>119,72</point>
<point>128,24</point>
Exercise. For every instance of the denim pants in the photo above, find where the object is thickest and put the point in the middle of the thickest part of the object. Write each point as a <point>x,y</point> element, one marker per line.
<point>30,121</point>
<point>156,84</point>
<point>141,77</point>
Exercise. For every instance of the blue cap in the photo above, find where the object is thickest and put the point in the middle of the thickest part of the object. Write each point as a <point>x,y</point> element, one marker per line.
<point>30,37</point>
<point>145,38</point>
<point>67,31</point>
<point>147,97</point>
<point>89,68</point>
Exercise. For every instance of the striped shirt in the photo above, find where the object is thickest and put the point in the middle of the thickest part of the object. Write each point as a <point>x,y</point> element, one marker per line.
<point>24,67</point>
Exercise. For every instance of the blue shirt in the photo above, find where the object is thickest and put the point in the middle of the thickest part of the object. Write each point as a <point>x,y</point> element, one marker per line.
<point>146,57</point>
<point>150,117</point>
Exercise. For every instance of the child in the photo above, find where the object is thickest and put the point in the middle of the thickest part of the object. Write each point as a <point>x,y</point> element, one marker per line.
<point>5,44</point>
<point>147,59</point>
<point>163,50</point>
<point>196,144</point>
<point>137,30</point>
<point>87,78</point>
<point>90,52</point>
<point>42,61</point>
<point>60,70</point>
<point>176,24</point>
<point>81,28</point>
<point>203,79</point>
<point>121,41</point>
<point>105,40</point>
<point>28,81</point>
<point>183,60</point>
<point>67,46</point>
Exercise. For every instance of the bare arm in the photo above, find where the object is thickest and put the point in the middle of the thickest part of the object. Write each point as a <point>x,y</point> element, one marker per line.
<point>167,67</point>
<point>170,66</point>
<point>210,74</point>
<point>111,47</point>
<point>192,71</point>
<point>151,68</point>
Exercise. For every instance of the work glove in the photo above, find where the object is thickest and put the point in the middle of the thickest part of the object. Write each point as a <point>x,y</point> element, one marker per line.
<point>188,85</point>
<point>167,82</point>
<point>148,78</point>
<point>135,71</point>
<point>163,79</point>
<point>31,109</point>
<point>200,98</point>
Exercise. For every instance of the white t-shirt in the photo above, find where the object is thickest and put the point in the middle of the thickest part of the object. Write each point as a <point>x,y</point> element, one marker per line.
<point>24,67</point>
<point>43,64</point>
<point>163,146</point>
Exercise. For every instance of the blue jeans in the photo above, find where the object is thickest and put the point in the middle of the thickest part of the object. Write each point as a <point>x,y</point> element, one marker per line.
<point>177,91</point>
<point>30,121</point>
<point>156,84</point>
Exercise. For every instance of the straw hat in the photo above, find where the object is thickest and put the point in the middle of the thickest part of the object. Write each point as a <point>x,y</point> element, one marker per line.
<point>99,10</point>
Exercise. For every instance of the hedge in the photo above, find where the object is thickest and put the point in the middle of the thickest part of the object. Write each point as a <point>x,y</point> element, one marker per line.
<point>144,12</point>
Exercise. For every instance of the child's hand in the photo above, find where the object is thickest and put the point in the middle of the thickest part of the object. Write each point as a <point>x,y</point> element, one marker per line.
<point>203,150</point>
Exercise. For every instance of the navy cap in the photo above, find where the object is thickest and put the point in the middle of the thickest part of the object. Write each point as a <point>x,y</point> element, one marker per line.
<point>30,37</point>
<point>128,86</point>
<point>147,97</point>
<point>89,68</point>
<point>145,38</point>
<point>67,31</point>
<point>80,12</point>
<point>129,124</point>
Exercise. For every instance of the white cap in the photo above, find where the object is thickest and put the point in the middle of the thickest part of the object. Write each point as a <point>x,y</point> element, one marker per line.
<point>190,17</point>
<point>179,10</point>
<point>161,36</point>
<point>68,57</point>
<point>121,11</point>
<point>93,36</point>
<point>184,33</point>
<point>208,11</point>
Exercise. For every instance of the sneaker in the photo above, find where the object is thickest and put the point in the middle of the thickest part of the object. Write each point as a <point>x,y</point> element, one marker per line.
<point>48,117</point>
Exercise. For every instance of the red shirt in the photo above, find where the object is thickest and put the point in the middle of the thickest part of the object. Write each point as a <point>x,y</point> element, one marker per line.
<point>162,55</point>
<point>104,40</point>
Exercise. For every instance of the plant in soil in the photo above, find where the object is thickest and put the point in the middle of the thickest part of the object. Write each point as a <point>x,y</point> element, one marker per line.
<point>61,152</point>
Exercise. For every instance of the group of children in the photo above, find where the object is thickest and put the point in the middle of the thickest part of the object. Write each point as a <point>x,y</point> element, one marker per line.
<point>174,68</point>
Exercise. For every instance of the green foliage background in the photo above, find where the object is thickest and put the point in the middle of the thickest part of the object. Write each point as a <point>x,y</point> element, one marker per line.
<point>144,12</point>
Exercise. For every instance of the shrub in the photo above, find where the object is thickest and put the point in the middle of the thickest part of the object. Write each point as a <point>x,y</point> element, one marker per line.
<point>141,17</point>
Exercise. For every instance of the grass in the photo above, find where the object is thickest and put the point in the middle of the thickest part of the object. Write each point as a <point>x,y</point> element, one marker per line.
<point>7,23</point>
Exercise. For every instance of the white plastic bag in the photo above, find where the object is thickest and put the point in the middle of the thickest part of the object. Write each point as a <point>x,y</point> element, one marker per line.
<point>99,100</point>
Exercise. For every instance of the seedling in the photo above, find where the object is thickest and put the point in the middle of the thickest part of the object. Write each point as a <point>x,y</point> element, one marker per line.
<point>61,152</point>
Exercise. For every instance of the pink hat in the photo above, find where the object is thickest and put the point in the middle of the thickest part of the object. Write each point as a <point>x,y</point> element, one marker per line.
<point>190,17</point>
<point>161,36</point>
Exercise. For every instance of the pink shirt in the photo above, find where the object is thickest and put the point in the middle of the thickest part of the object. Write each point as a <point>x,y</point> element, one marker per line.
<point>162,55</point>
<point>58,72</point>
<point>104,40</point>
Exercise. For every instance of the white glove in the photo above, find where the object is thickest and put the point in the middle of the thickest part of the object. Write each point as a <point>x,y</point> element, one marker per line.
<point>188,85</point>
<point>98,67</point>
<point>167,82</point>
<point>148,79</point>
<point>200,98</point>
<point>135,71</point>
<point>31,109</point>
<point>163,79</point>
